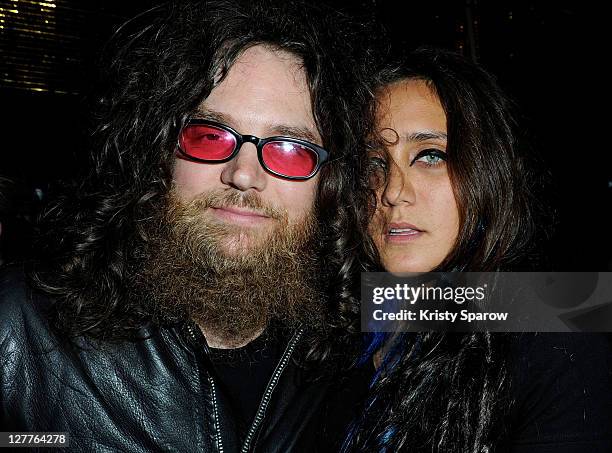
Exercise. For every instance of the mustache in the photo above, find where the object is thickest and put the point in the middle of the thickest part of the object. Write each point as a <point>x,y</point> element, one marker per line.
<point>235,198</point>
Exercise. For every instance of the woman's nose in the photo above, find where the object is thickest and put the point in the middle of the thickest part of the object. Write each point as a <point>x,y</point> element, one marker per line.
<point>399,188</point>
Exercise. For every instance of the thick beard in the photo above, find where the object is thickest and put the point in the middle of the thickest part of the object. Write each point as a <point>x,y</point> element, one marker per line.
<point>233,282</point>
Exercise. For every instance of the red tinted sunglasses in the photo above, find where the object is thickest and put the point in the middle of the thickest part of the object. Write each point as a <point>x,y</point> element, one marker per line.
<point>212,142</point>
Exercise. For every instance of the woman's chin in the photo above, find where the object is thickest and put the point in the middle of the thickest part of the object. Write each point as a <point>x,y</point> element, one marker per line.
<point>402,264</point>
<point>395,267</point>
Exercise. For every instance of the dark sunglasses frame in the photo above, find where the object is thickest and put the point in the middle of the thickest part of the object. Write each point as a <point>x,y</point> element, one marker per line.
<point>322,154</point>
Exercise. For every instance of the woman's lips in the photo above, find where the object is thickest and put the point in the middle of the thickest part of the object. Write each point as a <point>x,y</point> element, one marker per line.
<point>400,232</point>
<point>239,215</point>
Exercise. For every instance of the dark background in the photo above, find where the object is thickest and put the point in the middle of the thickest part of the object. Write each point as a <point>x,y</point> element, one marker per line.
<point>547,56</point>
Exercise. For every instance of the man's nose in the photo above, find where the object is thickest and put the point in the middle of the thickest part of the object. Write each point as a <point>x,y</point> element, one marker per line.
<point>244,171</point>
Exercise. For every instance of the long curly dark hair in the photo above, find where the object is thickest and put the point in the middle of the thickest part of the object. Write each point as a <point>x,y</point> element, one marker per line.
<point>450,392</point>
<point>160,66</point>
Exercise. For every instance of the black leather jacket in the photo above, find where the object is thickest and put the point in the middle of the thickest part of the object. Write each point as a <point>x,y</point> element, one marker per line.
<point>157,394</point>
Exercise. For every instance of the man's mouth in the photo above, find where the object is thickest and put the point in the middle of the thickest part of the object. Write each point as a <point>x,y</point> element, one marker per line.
<point>241,216</point>
<point>240,211</point>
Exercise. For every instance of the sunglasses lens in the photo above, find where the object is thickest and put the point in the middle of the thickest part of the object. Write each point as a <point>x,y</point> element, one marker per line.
<point>290,159</point>
<point>206,142</point>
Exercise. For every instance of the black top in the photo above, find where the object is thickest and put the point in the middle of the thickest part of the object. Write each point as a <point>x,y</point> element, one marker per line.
<point>244,372</point>
<point>562,388</point>
<point>559,398</point>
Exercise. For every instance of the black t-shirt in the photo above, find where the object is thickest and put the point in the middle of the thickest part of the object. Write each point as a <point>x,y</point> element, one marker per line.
<point>243,373</point>
<point>562,387</point>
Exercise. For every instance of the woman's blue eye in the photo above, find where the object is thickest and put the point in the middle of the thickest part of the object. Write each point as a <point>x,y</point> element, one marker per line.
<point>430,157</point>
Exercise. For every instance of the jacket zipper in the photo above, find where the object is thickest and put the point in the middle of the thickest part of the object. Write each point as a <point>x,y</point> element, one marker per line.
<point>213,389</point>
<point>265,400</point>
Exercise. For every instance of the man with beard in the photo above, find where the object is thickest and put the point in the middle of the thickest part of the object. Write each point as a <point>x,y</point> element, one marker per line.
<point>182,302</point>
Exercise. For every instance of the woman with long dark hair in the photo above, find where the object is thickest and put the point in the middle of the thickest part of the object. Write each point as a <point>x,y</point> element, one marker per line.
<point>453,192</point>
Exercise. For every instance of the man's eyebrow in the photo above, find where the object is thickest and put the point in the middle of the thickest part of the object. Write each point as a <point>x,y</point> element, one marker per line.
<point>301,133</point>
<point>285,130</point>
<point>212,115</point>
<point>425,135</point>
